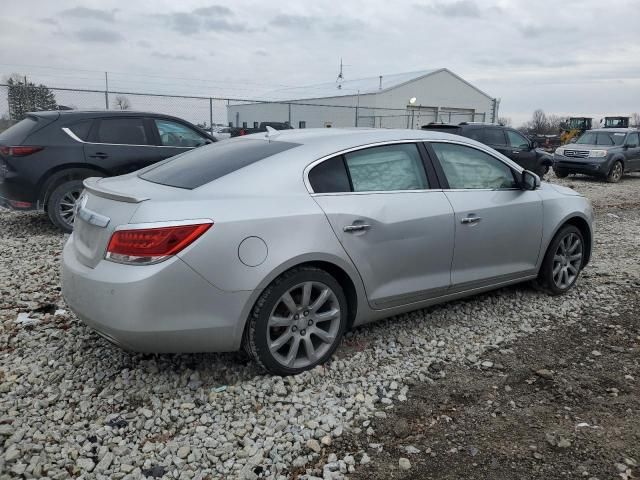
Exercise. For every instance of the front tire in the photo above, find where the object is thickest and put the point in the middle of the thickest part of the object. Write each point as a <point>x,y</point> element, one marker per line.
<point>560,173</point>
<point>562,263</point>
<point>616,172</point>
<point>298,322</point>
<point>61,202</point>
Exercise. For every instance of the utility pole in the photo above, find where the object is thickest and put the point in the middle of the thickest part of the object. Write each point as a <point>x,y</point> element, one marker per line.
<point>357,106</point>
<point>211,115</point>
<point>106,90</point>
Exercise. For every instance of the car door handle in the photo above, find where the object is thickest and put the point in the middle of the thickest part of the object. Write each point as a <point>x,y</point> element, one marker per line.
<point>99,155</point>
<point>470,219</point>
<point>356,228</point>
<point>516,151</point>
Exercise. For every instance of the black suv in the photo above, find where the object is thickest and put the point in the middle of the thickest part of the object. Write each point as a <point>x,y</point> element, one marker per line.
<point>505,140</point>
<point>45,157</point>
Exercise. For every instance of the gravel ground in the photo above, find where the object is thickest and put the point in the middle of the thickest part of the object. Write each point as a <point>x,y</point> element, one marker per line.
<point>73,405</point>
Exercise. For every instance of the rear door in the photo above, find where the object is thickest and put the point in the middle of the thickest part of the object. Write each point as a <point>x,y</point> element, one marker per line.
<point>395,227</point>
<point>120,144</point>
<point>498,226</point>
<point>521,150</point>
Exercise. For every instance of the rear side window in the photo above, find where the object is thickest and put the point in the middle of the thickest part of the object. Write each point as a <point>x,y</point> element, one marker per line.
<point>206,164</point>
<point>16,134</point>
<point>330,176</point>
<point>492,136</point>
<point>387,168</point>
<point>81,129</point>
<point>122,131</point>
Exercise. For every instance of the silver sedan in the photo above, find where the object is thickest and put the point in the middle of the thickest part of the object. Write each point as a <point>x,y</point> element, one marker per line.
<point>278,243</point>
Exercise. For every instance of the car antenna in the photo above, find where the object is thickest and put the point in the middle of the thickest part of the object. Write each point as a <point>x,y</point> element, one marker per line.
<point>271,133</point>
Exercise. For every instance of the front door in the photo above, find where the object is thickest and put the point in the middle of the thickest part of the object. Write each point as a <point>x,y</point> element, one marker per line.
<point>632,152</point>
<point>498,226</point>
<point>521,151</point>
<point>397,232</point>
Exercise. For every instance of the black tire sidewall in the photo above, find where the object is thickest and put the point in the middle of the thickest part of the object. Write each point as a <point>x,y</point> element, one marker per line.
<point>54,199</point>
<point>610,178</point>
<point>546,272</point>
<point>265,305</point>
<point>560,173</point>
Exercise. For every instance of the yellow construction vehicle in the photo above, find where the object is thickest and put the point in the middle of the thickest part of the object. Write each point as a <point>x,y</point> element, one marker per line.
<point>573,128</point>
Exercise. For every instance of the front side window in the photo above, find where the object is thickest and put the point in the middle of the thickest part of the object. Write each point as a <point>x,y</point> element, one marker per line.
<point>468,168</point>
<point>173,134</point>
<point>386,168</point>
<point>122,131</point>
<point>492,136</point>
<point>516,140</point>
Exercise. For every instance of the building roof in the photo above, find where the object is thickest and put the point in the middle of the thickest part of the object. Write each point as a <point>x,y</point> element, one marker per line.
<point>360,86</point>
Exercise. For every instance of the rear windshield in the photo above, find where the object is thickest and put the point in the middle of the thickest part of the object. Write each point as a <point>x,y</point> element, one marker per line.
<point>602,138</point>
<point>17,133</point>
<point>206,164</point>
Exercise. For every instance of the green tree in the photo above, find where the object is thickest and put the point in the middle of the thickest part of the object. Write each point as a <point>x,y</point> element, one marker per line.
<point>24,96</point>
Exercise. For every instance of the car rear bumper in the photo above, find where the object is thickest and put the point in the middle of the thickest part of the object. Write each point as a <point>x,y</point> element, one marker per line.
<point>162,308</point>
<point>589,166</point>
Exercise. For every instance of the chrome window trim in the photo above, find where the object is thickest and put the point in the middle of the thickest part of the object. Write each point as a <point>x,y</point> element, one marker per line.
<point>68,131</point>
<point>483,148</point>
<point>164,223</point>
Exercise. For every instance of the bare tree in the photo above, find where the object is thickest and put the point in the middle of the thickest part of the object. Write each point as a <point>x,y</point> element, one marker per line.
<point>121,103</point>
<point>635,119</point>
<point>506,121</point>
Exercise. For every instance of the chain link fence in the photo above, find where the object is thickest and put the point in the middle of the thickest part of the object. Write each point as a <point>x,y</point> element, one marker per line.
<point>211,112</point>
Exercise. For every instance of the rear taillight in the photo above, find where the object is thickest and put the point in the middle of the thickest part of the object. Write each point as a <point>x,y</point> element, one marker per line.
<point>143,246</point>
<point>18,151</point>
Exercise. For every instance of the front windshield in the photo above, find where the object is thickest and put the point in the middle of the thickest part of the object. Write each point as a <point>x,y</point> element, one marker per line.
<point>602,138</point>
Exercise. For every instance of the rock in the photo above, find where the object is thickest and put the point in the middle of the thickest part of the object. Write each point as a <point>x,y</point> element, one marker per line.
<point>146,412</point>
<point>404,464</point>
<point>405,341</point>
<point>411,450</point>
<point>596,353</point>
<point>563,443</point>
<point>487,364</point>
<point>401,428</point>
<point>365,459</point>
<point>184,451</point>
<point>313,444</point>
<point>12,453</point>
<point>105,462</point>
<point>544,373</point>
<point>326,441</point>
<point>86,464</point>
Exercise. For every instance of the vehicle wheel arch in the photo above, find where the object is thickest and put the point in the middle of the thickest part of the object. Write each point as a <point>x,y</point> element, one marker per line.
<point>581,224</point>
<point>345,274</point>
<point>61,173</point>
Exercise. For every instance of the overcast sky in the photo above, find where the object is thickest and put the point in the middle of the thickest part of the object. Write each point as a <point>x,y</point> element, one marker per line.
<point>567,57</point>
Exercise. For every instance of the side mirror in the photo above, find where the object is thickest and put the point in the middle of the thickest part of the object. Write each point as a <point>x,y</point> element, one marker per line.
<point>534,144</point>
<point>529,181</point>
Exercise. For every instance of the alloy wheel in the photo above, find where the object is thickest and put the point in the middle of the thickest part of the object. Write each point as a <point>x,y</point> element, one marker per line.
<point>616,172</point>
<point>567,261</point>
<point>67,204</point>
<point>304,324</point>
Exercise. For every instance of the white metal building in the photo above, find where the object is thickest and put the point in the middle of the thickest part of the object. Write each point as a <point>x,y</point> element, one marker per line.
<point>403,100</point>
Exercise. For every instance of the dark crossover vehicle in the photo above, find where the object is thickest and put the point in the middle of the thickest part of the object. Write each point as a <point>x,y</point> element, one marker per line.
<point>603,152</point>
<point>505,140</point>
<point>45,157</point>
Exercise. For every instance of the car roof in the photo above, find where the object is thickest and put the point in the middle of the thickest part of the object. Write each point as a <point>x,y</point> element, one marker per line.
<point>67,114</point>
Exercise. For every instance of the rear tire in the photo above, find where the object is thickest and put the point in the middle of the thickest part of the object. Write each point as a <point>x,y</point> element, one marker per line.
<point>562,263</point>
<point>616,172</point>
<point>60,204</point>
<point>560,173</point>
<point>297,323</point>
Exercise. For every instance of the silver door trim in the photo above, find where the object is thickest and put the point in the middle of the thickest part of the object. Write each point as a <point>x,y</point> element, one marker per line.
<point>69,132</point>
